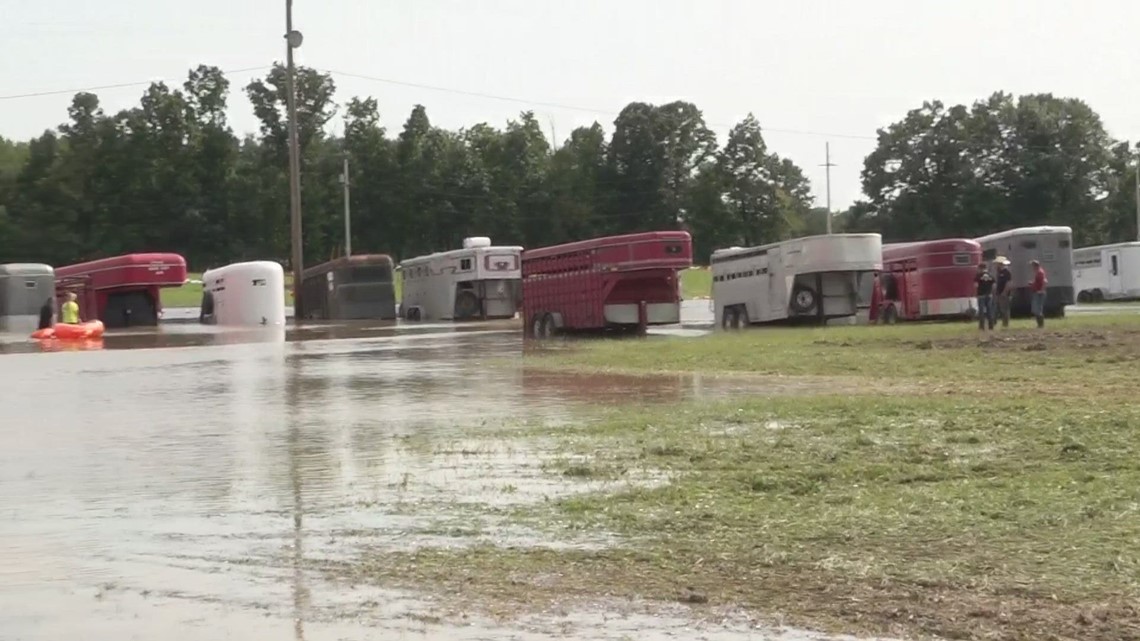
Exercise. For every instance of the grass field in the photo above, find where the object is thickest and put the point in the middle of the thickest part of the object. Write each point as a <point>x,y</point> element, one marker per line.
<point>696,283</point>
<point>917,481</point>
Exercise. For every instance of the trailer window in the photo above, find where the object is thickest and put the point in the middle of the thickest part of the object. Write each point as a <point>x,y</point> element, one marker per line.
<point>673,249</point>
<point>1114,271</point>
<point>30,284</point>
<point>1064,242</point>
<point>1029,244</point>
<point>962,259</point>
<point>989,254</point>
<point>259,282</point>
<point>465,264</point>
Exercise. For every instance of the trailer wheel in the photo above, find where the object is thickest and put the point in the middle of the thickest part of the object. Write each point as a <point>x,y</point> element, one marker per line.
<point>1097,296</point>
<point>466,305</point>
<point>413,314</point>
<point>727,317</point>
<point>542,326</point>
<point>803,299</point>
<point>739,317</point>
<point>1083,296</point>
<point>890,315</point>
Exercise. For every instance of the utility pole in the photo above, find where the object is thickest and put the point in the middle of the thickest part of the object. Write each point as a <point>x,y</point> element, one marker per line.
<point>347,210</point>
<point>292,41</point>
<point>827,163</point>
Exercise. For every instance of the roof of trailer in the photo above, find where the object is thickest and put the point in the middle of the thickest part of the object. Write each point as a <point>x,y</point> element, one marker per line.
<point>553,250</point>
<point>460,250</point>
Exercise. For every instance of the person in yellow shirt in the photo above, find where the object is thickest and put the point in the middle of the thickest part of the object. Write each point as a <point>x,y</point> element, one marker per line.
<point>69,312</point>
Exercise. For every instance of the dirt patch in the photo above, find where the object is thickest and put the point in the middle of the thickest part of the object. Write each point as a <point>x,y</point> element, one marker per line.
<point>1039,340</point>
<point>507,583</point>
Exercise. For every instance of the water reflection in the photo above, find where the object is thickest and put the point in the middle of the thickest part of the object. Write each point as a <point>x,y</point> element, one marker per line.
<point>179,493</point>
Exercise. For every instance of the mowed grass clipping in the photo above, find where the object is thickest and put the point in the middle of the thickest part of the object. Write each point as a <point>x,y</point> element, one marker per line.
<point>992,501</point>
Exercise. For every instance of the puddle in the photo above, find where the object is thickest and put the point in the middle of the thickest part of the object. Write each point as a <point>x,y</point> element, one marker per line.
<point>177,491</point>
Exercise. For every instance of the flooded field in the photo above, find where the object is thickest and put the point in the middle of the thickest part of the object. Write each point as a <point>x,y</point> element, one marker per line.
<point>184,482</point>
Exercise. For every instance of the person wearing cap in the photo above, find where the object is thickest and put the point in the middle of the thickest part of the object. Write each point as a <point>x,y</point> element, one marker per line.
<point>1002,290</point>
<point>1037,286</point>
<point>985,290</point>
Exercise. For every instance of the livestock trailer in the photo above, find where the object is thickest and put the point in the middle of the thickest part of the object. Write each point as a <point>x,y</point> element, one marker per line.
<point>931,279</point>
<point>479,281</point>
<point>246,294</point>
<point>356,287</point>
<point>24,290</point>
<point>1052,247</point>
<point>122,290</point>
<point>1107,272</point>
<point>805,280</point>
<point>618,282</point>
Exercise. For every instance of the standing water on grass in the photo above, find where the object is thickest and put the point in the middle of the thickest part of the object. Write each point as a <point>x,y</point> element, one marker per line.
<point>181,493</point>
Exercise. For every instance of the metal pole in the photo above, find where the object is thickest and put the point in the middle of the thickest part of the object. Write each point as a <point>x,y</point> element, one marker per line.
<point>294,162</point>
<point>1138,197</point>
<point>347,211</point>
<point>828,165</point>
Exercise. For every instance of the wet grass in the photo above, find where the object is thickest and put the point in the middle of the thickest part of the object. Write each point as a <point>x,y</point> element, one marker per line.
<point>996,497</point>
<point>1076,355</point>
<point>956,517</point>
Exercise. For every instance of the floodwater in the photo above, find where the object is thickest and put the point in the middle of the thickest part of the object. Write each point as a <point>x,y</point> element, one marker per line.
<point>179,482</point>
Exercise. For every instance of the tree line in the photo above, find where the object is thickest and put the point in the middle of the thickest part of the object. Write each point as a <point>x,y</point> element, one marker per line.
<point>170,174</point>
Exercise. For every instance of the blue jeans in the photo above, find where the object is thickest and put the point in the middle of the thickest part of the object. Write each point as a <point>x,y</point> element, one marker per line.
<point>985,312</point>
<point>1037,304</point>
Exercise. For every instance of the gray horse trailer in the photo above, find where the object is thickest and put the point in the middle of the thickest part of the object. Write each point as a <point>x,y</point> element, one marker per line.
<point>1053,247</point>
<point>24,289</point>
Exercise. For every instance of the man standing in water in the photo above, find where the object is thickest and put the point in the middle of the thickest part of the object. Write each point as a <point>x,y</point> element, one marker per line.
<point>1002,289</point>
<point>69,312</point>
<point>1038,288</point>
<point>985,284</point>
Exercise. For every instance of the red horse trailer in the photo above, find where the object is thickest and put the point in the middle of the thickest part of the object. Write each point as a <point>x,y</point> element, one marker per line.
<point>617,282</point>
<point>123,290</point>
<point>928,280</point>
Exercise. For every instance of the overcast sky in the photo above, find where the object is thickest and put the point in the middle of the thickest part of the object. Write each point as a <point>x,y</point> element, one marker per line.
<point>811,71</point>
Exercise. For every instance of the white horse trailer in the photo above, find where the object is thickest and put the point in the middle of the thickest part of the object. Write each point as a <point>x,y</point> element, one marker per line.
<point>25,288</point>
<point>813,279</point>
<point>1052,247</point>
<point>1107,272</point>
<point>480,281</point>
<point>244,294</point>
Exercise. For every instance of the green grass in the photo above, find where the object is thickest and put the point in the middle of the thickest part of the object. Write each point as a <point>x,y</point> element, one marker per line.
<point>696,283</point>
<point>959,487</point>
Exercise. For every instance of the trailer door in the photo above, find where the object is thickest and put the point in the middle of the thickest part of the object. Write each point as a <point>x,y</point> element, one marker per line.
<point>1112,257</point>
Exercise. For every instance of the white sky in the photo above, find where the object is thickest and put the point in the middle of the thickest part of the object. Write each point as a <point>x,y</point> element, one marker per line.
<point>842,68</point>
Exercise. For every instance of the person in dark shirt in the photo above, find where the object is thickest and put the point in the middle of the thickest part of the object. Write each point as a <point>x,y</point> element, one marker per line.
<point>1002,290</point>
<point>47,311</point>
<point>985,290</point>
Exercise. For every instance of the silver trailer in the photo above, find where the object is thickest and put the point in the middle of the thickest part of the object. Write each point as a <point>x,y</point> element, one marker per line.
<point>1053,247</point>
<point>24,290</point>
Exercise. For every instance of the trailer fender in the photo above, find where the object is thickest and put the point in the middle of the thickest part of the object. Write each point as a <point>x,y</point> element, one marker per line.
<point>556,321</point>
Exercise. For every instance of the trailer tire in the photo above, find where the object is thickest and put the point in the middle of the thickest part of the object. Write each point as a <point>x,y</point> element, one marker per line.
<point>466,305</point>
<point>413,314</point>
<point>890,315</point>
<point>804,299</point>
<point>542,326</point>
<point>1083,296</point>
<point>1097,296</point>
<point>739,317</point>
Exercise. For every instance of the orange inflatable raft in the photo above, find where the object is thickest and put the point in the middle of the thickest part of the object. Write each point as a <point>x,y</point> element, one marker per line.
<point>70,331</point>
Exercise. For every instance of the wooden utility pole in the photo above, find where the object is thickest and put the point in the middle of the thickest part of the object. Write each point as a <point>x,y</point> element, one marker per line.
<point>292,41</point>
<point>827,163</point>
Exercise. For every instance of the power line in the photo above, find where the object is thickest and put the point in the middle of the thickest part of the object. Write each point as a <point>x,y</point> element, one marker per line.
<point>555,105</point>
<point>121,85</point>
